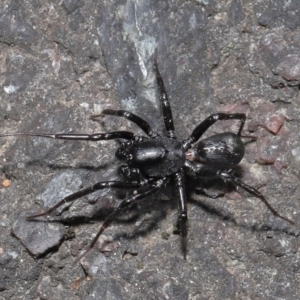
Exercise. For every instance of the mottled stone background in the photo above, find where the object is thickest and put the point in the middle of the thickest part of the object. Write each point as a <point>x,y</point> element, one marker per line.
<point>63,61</point>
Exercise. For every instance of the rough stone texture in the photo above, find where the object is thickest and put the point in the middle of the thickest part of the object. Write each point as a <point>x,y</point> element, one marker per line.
<point>37,238</point>
<point>63,61</point>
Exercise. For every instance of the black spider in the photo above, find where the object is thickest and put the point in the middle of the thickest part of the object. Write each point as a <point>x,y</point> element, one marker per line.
<point>154,161</point>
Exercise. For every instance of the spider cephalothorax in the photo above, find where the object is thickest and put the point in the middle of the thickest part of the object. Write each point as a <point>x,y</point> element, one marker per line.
<point>153,161</point>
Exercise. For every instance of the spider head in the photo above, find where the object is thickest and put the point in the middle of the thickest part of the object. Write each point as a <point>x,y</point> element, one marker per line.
<point>122,154</point>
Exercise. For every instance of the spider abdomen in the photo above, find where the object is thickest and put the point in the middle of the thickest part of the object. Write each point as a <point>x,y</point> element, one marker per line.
<point>221,150</point>
<point>159,157</point>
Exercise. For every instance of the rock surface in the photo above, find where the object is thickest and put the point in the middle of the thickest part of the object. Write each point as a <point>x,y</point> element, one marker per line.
<point>63,61</point>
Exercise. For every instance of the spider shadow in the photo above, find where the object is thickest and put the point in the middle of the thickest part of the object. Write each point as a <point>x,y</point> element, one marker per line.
<point>56,167</point>
<point>130,215</point>
<point>229,217</point>
<point>218,188</point>
<point>158,209</point>
<point>154,210</point>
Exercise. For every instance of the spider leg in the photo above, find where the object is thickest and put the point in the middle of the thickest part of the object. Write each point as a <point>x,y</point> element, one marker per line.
<point>132,117</point>
<point>139,195</point>
<point>86,191</point>
<point>167,112</point>
<point>204,125</point>
<point>182,217</point>
<point>127,135</point>
<point>227,176</point>
<point>132,174</point>
<point>200,170</point>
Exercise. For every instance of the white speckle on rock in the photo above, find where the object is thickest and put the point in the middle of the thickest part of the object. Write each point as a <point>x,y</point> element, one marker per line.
<point>10,89</point>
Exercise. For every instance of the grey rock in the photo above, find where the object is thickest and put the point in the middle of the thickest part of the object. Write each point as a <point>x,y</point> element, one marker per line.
<point>37,237</point>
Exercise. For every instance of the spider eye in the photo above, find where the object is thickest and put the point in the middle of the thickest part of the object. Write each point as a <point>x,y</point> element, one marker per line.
<point>121,154</point>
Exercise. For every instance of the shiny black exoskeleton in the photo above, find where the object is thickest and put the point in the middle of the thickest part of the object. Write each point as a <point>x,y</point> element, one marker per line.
<point>159,157</point>
<point>153,161</point>
<point>222,150</point>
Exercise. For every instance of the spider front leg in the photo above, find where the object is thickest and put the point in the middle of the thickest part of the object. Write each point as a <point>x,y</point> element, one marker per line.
<point>138,195</point>
<point>127,135</point>
<point>228,176</point>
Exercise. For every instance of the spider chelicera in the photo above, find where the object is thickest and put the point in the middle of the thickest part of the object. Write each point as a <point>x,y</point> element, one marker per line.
<point>154,161</point>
